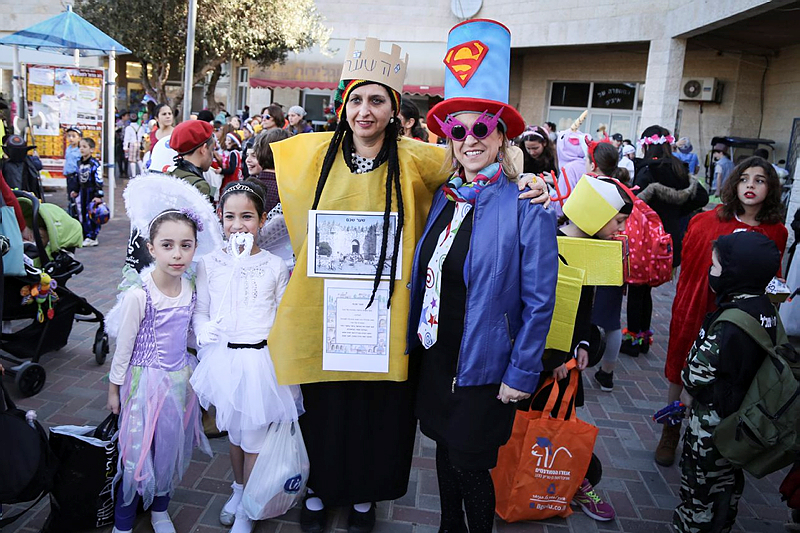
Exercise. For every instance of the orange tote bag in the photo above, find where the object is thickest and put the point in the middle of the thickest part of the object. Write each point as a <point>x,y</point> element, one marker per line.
<point>545,461</point>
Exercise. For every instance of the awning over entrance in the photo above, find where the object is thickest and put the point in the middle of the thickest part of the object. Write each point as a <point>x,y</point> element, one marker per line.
<point>258,83</point>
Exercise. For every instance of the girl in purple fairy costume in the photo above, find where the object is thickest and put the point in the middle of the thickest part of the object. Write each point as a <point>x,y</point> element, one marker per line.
<point>149,388</point>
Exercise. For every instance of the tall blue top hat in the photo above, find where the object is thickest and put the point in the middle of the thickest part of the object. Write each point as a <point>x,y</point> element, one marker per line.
<point>477,64</point>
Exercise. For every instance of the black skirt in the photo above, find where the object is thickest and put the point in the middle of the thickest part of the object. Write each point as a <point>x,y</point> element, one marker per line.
<point>470,421</point>
<point>360,439</point>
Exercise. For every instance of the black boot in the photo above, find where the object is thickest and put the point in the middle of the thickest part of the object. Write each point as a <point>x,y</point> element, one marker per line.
<point>461,527</point>
<point>628,348</point>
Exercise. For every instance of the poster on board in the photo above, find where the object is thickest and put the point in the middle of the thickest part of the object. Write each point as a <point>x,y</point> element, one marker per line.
<point>67,97</point>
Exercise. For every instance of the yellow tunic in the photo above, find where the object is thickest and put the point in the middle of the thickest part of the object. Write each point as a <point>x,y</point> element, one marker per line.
<point>295,341</point>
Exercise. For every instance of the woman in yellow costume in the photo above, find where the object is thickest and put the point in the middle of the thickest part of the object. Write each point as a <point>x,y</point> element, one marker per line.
<point>359,427</point>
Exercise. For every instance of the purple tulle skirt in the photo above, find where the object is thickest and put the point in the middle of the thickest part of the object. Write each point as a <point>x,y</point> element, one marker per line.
<point>160,425</point>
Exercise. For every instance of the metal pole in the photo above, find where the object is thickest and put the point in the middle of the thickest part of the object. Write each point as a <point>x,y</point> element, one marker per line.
<point>188,72</point>
<point>111,103</point>
<point>17,84</point>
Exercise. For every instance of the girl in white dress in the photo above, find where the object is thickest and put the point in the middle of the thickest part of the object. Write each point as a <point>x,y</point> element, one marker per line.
<point>238,292</point>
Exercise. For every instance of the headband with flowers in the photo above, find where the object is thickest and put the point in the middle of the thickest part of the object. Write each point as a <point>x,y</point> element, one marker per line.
<point>191,214</point>
<point>656,139</point>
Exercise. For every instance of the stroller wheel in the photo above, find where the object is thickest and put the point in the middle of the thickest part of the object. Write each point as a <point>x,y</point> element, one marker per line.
<point>30,378</point>
<point>100,346</point>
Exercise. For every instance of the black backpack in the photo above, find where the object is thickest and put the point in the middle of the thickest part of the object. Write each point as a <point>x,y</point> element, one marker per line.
<point>27,464</point>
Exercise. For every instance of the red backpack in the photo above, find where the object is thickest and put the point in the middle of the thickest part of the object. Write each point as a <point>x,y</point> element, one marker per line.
<point>648,248</point>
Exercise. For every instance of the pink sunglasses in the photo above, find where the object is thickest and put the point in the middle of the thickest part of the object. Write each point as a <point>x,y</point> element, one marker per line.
<point>482,128</point>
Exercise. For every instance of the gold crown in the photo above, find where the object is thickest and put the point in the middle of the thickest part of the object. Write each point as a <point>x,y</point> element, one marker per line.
<point>373,65</point>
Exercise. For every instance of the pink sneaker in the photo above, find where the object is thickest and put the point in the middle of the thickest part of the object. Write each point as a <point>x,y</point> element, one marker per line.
<point>592,504</point>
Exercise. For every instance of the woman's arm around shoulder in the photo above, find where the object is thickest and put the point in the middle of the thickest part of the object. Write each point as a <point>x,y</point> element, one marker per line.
<point>539,274</point>
<point>428,160</point>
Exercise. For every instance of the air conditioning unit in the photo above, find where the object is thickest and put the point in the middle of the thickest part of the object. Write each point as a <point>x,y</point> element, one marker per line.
<point>700,89</point>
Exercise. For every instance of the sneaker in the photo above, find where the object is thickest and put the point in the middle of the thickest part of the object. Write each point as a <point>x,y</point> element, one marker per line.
<point>592,504</point>
<point>161,522</point>
<point>90,242</point>
<point>605,379</point>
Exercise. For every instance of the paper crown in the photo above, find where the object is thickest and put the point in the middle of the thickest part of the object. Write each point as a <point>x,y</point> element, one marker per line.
<point>476,77</point>
<point>592,204</point>
<point>371,64</point>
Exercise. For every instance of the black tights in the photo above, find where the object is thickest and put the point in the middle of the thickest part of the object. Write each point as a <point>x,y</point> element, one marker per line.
<point>471,488</point>
<point>640,308</point>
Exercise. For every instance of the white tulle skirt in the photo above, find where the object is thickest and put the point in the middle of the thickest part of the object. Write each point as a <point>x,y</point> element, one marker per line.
<point>241,384</point>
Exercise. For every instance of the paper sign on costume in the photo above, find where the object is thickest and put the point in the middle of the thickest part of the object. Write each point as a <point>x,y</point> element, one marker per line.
<point>356,336</point>
<point>347,244</point>
<point>568,296</point>
<point>601,259</point>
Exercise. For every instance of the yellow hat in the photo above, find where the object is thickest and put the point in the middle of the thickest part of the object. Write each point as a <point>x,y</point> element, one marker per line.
<point>592,204</point>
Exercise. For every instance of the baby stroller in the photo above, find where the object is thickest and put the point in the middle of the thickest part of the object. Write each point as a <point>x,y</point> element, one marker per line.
<point>51,316</point>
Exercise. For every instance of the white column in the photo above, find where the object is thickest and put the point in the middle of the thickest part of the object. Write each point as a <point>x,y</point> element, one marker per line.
<point>111,103</point>
<point>188,73</point>
<point>16,87</point>
<point>663,83</point>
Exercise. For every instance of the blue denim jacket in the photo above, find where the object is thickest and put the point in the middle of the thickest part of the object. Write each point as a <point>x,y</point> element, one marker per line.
<point>510,272</point>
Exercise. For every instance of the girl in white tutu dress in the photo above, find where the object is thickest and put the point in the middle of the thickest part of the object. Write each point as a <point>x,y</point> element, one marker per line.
<point>149,377</point>
<point>238,292</point>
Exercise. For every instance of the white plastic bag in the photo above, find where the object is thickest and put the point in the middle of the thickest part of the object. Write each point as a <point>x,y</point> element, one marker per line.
<point>280,474</point>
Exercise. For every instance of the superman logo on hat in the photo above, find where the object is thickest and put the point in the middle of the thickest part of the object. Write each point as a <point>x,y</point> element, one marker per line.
<point>464,59</point>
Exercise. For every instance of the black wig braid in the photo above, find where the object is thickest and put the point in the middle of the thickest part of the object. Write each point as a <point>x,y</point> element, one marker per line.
<point>343,136</point>
<point>330,157</point>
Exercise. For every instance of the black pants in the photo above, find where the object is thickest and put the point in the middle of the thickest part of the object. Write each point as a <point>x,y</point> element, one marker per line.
<point>640,308</point>
<point>470,490</point>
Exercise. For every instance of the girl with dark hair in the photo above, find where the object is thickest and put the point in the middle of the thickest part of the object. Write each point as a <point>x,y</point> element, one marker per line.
<point>164,124</point>
<point>409,118</point>
<point>261,164</point>
<point>665,185</point>
<point>751,199</point>
<point>538,151</point>
<point>238,292</point>
<point>359,427</point>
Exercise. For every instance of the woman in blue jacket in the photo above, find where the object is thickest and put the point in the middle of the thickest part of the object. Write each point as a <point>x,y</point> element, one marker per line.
<point>482,289</point>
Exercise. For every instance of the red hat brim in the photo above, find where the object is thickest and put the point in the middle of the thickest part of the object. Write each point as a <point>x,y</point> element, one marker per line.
<point>511,117</point>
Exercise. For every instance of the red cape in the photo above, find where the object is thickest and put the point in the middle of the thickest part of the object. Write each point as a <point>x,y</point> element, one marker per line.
<point>693,298</point>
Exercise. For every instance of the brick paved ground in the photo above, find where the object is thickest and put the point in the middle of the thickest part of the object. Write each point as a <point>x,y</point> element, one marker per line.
<point>642,493</point>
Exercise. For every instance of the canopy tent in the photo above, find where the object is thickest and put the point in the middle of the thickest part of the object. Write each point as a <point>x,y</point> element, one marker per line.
<point>67,33</point>
<point>63,34</point>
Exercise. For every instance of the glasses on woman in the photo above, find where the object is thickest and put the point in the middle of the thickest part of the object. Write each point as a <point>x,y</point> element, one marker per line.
<point>483,126</point>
